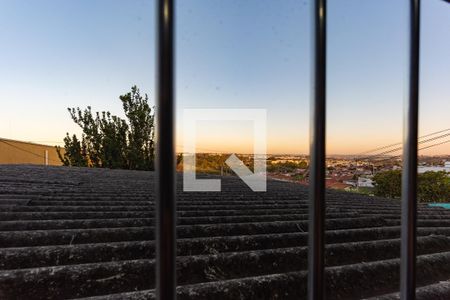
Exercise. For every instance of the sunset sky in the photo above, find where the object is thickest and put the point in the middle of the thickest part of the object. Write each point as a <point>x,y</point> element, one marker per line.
<point>56,54</point>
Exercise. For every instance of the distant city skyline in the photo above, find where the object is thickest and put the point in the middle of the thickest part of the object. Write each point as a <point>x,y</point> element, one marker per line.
<point>230,54</point>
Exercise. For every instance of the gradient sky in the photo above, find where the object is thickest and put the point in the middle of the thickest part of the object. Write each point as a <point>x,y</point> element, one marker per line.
<point>56,54</point>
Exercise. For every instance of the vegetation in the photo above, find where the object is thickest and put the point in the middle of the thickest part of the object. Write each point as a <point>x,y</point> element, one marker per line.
<point>388,184</point>
<point>214,163</point>
<point>286,167</point>
<point>432,186</point>
<point>369,191</point>
<point>108,141</point>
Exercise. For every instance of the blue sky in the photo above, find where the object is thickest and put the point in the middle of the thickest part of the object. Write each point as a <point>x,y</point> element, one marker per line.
<point>230,54</point>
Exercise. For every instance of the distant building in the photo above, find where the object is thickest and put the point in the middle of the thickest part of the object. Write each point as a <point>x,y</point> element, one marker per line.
<point>351,182</point>
<point>365,182</point>
<point>283,161</point>
<point>18,152</point>
<point>423,169</point>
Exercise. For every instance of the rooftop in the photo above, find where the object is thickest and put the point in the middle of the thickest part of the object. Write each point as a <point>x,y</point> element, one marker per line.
<point>77,233</point>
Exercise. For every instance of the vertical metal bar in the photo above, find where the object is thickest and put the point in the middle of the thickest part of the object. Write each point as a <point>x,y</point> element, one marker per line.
<point>409,176</point>
<point>317,154</point>
<point>165,154</point>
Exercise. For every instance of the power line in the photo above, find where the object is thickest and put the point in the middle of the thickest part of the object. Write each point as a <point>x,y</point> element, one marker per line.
<point>397,144</point>
<point>423,148</point>
<point>400,148</point>
<point>434,145</point>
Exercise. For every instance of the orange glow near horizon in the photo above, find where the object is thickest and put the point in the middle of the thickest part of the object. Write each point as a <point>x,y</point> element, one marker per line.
<point>285,145</point>
<point>237,137</point>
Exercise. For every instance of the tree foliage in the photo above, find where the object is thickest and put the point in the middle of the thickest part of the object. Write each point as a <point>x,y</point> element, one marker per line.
<point>75,153</point>
<point>286,167</point>
<point>434,187</point>
<point>388,184</point>
<point>140,136</point>
<point>108,141</point>
<point>431,187</point>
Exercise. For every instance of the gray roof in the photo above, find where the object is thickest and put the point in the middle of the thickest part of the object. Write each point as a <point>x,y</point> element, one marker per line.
<point>75,233</point>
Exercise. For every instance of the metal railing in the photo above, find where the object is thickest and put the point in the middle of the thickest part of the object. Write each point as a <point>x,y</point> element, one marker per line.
<point>166,187</point>
<point>409,174</point>
<point>316,227</point>
<point>165,154</point>
<point>316,268</point>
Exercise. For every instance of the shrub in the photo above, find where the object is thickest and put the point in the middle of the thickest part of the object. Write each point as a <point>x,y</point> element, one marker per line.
<point>108,141</point>
<point>431,186</point>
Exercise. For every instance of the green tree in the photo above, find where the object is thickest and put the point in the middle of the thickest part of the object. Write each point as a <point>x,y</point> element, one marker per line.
<point>303,164</point>
<point>75,154</point>
<point>111,142</point>
<point>388,184</point>
<point>433,187</point>
<point>140,150</point>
